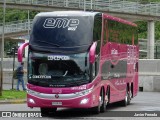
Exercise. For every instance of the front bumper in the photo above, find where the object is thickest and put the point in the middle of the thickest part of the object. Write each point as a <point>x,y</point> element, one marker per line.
<point>58,100</point>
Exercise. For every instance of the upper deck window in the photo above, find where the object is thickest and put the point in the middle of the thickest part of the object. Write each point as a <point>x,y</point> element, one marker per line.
<point>121,33</point>
<point>62,31</point>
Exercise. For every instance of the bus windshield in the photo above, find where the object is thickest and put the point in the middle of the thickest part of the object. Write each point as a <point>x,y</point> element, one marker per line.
<point>62,31</point>
<point>50,70</point>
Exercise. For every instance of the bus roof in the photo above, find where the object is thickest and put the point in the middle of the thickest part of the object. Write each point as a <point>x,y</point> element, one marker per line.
<point>84,13</point>
<point>68,13</point>
<point>119,20</point>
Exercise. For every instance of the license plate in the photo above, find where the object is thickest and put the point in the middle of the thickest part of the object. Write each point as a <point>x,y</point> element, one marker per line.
<point>56,103</point>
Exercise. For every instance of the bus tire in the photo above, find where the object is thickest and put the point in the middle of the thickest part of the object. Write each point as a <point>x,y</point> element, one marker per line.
<point>129,97</point>
<point>103,102</point>
<point>108,96</point>
<point>47,111</point>
<point>126,99</point>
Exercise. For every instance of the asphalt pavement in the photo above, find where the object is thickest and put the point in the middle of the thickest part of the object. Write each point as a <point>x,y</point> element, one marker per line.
<point>144,102</point>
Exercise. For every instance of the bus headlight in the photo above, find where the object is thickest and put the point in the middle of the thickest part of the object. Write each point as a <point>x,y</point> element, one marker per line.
<point>84,92</point>
<point>30,100</point>
<point>84,101</point>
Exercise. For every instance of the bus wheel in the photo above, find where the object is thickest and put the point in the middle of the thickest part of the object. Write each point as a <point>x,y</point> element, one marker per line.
<point>102,102</point>
<point>129,97</point>
<point>97,109</point>
<point>107,97</point>
<point>47,111</point>
<point>126,99</point>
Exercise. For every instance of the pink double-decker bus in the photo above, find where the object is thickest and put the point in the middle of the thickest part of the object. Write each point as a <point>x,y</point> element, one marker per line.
<point>80,59</point>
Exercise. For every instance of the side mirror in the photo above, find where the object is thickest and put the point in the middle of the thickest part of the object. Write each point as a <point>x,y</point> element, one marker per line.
<point>20,51</point>
<point>92,53</point>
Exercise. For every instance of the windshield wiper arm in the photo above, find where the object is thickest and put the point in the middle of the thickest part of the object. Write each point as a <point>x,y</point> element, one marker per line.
<point>48,43</point>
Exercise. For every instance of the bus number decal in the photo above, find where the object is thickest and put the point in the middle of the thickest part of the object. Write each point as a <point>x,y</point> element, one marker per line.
<point>71,24</point>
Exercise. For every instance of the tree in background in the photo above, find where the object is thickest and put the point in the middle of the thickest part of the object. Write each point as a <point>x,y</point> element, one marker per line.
<point>142,29</point>
<point>14,15</point>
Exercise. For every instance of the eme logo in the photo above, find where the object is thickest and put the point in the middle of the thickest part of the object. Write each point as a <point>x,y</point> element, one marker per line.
<point>71,24</point>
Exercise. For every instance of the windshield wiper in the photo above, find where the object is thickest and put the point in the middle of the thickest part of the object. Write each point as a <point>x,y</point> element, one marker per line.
<point>48,43</point>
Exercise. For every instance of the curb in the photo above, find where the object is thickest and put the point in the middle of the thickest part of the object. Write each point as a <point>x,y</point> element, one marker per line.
<point>14,101</point>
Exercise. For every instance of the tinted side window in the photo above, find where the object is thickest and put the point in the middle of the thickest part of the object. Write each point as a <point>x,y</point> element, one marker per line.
<point>113,32</point>
<point>135,36</point>
<point>105,32</point>
<point>97,28</point>
<point>110,71</point>
<point>122,33</point>
<point>97,31</point>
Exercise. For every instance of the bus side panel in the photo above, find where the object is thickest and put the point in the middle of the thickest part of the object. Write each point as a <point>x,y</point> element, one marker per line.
<point>135,85</point>
<point>113,56</point>
<point>136,80</point>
